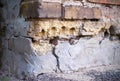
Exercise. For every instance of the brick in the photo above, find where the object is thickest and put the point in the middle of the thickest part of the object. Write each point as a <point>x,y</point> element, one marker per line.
<point>71,12</point>
<point>116,2</point>
<point>97,13</point>
<point>50,10</point>
<point>36,9</point>
<point>88,13</point>
<point>105,12</point>
<point>29,9</point>
<point>41,10</point>
<point>79,12</point>
<point>54,10</point>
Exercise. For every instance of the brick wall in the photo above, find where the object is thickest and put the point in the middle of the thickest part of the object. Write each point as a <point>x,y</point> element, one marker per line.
<point>76,10</point>
<point>67,10</point>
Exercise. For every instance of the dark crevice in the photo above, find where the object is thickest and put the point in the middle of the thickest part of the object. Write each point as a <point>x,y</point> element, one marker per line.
<point>24,37</point>
<point>84,36</point>
<point>118,37</point>
<point>1,5</point>
<point>113,35</point>
<point>2,35</point>
<point>1,54</point>
<point>94,19</point>
<point>72,41</point>
<point>106,34</point>
<point>109,6</point>
<point>57,59</point>
<point>54,40</point>
<point>32,39</point>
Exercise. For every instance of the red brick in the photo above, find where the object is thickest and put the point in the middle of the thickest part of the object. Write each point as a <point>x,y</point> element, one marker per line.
<point>116,2</point>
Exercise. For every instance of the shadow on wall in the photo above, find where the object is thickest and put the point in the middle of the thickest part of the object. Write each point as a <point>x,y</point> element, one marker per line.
<point>2,32</point>
<point>1,17</point>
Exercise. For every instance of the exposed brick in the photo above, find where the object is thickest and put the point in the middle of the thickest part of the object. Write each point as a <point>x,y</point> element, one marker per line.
<point>41,10</point>
<point>79,12</point>
<point>54,10</point>
<point>29,9</point>
<point>36,9</point>
<point>88,13</point>
<point>97,13</point>
<point>71,12</point>
<point>116,2</point>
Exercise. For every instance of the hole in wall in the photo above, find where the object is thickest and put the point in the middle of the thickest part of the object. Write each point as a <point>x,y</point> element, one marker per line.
<point>113,34</point>
<point>53,31</point>
<point>72,31</point>
<point>54,40</point>
<point>40,34</point>
<point>43,32</point>
<point>106,33</point>
<point>63,30</point>
<point>112,30</point>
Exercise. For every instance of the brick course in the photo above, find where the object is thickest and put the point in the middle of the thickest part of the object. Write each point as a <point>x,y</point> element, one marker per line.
<point>41,10</point>
<point>116,2</point>
<point>35,9</point>
<point>80,12</point>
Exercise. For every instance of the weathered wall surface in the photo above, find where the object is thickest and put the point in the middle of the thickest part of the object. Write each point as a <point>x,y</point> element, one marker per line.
<point>58,36</point>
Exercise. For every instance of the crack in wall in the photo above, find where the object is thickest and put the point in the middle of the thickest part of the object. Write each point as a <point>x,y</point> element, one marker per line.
<point>57,59</point>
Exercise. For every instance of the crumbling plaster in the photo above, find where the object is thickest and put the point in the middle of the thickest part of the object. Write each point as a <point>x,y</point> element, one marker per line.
<point>32,46</point>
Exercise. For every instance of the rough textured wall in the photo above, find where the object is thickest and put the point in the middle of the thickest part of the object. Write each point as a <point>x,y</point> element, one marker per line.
<point>58,36</point>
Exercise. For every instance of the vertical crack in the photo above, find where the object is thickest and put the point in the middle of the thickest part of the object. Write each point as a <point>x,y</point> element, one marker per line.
<point>54,41</point>
<point>57,59</point>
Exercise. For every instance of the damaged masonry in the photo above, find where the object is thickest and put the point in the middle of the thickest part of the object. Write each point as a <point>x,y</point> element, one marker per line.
<point>58,36</point>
